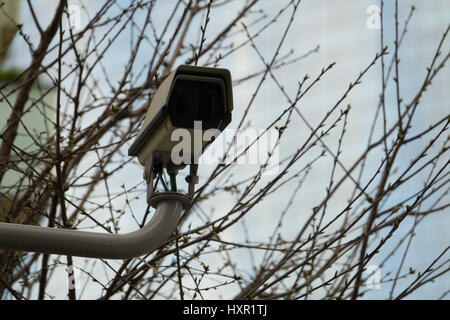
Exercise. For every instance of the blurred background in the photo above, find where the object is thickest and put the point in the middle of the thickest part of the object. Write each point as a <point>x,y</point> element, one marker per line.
<point>346,32</point>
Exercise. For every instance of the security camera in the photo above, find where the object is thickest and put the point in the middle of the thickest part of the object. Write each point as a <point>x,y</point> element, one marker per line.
<point>188,96</point>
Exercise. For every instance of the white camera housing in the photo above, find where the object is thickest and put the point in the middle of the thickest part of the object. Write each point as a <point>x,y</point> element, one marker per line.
<point>188,94</point>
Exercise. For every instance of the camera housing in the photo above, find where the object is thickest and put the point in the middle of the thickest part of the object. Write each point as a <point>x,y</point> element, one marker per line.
<point>188,94</point>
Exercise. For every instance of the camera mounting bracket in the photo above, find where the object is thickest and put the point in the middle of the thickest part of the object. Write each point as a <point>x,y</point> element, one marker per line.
<point>154,197</point>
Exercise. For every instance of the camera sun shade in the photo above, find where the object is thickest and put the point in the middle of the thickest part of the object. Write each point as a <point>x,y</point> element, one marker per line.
<point>188,94</point>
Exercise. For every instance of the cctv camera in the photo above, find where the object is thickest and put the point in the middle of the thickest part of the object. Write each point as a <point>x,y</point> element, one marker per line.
<point>188,96</point>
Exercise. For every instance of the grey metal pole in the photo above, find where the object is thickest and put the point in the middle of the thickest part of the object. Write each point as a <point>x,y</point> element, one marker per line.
<point>96,245</point>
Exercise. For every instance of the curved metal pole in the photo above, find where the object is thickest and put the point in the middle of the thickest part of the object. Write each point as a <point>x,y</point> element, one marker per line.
<point>92,244</point>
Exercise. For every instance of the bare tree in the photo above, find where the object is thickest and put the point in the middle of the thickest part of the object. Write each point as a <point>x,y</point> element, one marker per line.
<point>65,174</point>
